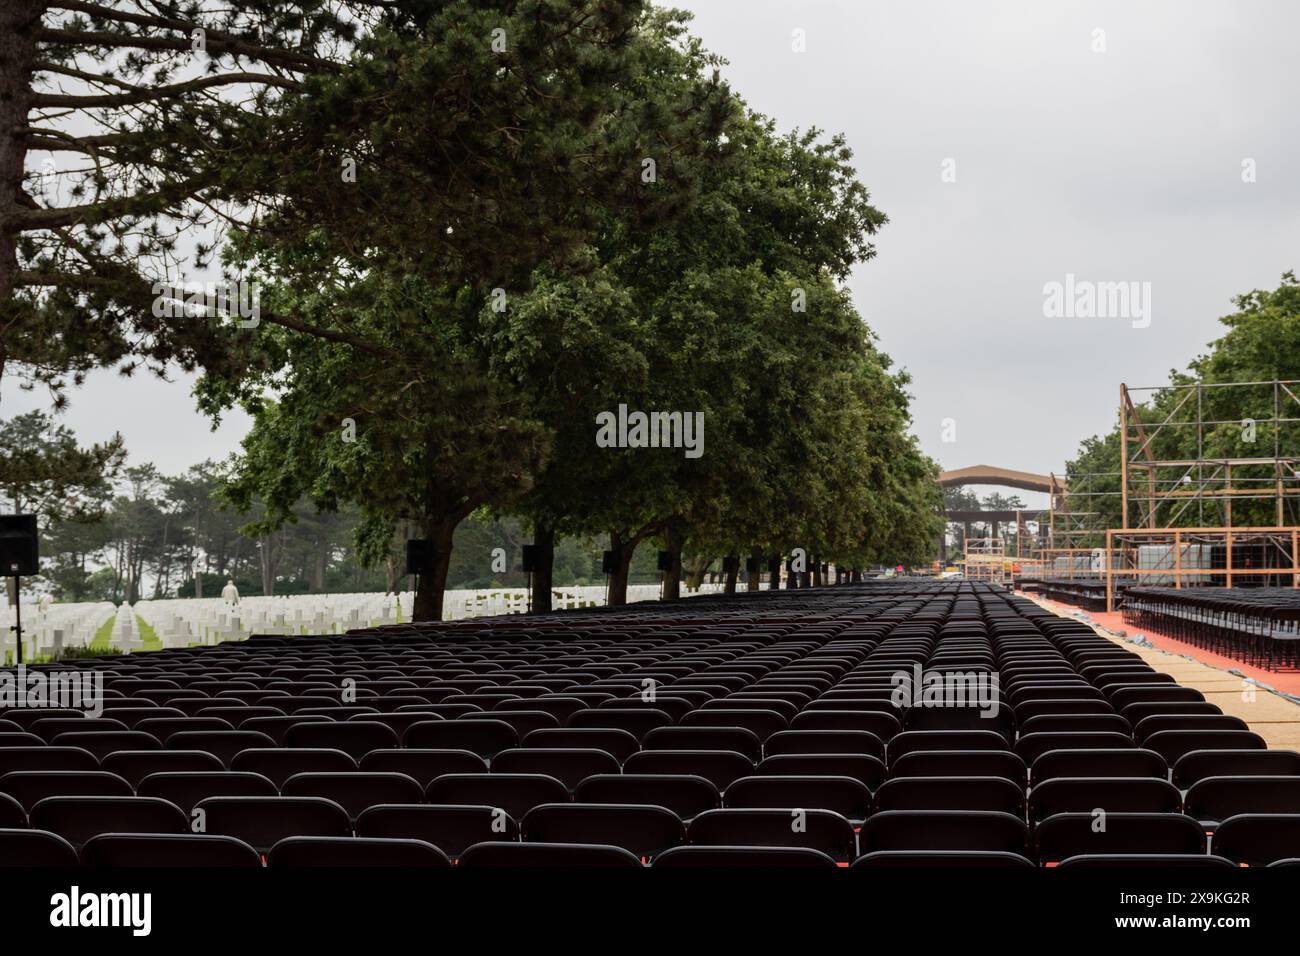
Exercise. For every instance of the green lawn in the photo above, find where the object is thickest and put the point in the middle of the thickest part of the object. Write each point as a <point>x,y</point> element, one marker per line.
<point>100,641</point>
<point>152,642</point>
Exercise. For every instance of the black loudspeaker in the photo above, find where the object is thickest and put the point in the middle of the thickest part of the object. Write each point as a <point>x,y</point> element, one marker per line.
<point>609,562</point>
<point>665,560</point>
<point>730,564</point>
<point>529,562</point>
<point>751,565</point>
<point>773,565</point>
<point>18,545</point>
<point>419,556</point>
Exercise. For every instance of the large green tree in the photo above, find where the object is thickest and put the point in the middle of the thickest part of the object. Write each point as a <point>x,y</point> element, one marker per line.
<point>388,395</point>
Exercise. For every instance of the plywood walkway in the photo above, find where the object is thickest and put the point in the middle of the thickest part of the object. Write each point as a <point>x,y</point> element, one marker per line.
<point>1273,717</point>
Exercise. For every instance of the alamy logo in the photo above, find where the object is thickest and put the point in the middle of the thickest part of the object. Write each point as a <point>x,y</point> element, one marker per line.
<point>71,689</point>
<point>654,430</point>
<point>918,688</point>
<point>1083,299</point>
<point>74,909</point>
<point>240,300</point>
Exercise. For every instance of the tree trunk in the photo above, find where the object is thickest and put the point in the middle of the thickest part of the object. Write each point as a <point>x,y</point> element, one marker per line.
<point>753,578</point>
<point>267,566</point>
<point>20,20</point>
<point>817,578</point>
<point>544,576</point>
<point>733,572</point>
<point>622,564</point>
<point>429,591</point>
<point>673,577</point>
<point>792,577</point>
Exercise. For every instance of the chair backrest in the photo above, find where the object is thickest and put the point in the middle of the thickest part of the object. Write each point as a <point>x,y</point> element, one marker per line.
<point>1110,861</point>
<point>638,721</point>
<point>825,742</point>
<point>1032,746</point>
<point>719,767</point>
<point>422,765</point>
<point>1106,762</point>
<point>1111,794</point>
<point>883,725</point>
<point>77,819</point>
<point>50,727</point>
<point>516,793</point>
<point>1075,723</point>
<point>1199,764</point>
<point>569,765</point>
<point>869,771</point>
<point>261,822</point>
<point>961,763</point>
<point>101,743</point>
<point>13,815</point>
<point>451,828</point>
<point>843,795</point>
<point>951,793</point>
<point>822,830</point>
<point>186,788</point>
<point>744,856</point>
<point>20,847</point>
<point>484,737</point>
<point>1158,722</point>
<point>910,741</point>
<point>741,740</point>
<point>46,758</point>
<point>355,791</point>
<point>619,744</point>
<point>28,787</point>
<point>1217,798</point>
<point>643,830</point>
<point>1173,744</point>
<point>763,723</point>
<point>222,744</point>
<point>302,851</point>
<point>546,856</point>
<point>1258,839</point>
<point>684,794</point>
<point>168,850</point>
<point>356,738</point>
<point>943,830</point>
<point>278,764</point>
<point>1064,835</point>
<point>943,859</point>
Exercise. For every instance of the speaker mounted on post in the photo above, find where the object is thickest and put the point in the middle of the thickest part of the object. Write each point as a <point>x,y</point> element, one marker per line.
<point>528,563</point>
<point>419,556</point>
<point>19,546</point>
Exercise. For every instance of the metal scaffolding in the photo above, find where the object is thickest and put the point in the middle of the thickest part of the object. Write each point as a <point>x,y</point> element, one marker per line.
<point>1173,471</point>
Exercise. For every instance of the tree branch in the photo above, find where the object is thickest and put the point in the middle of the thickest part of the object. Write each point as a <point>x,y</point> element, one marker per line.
<point>140,95</point>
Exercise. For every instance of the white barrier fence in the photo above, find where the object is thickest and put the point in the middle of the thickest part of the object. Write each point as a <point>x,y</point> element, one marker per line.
<point>181,622</point>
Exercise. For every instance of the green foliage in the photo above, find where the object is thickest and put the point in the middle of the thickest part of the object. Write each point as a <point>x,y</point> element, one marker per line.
<point>1261,344</point>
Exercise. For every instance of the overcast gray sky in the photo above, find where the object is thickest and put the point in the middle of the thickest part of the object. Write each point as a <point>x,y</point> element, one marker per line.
<point>1115,166</point>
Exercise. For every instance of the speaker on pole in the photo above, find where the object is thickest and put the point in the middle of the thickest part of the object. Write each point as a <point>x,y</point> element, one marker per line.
<point>730,563</point>
<point>529,561</point>
<point>609,561</point>
<point>419,556</point>
<point>751,565</point>
<point>19,556</point>
<point>665,560</point>
<point>19,552</point>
